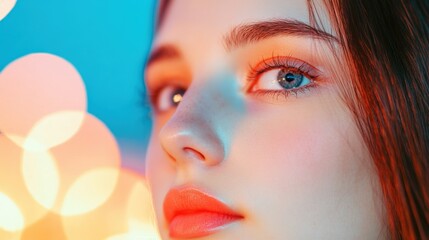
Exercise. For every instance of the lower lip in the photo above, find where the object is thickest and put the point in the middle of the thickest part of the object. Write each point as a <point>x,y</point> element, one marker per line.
<point>199,224</point>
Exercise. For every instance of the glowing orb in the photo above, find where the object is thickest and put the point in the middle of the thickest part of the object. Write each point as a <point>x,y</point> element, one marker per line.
<point>41,177</point>
<point>13,185</point>
<point>34,86</point>
<point>54,129</point>
<point>11,218</point>
<point>5,7</point>
<point>90,191</point>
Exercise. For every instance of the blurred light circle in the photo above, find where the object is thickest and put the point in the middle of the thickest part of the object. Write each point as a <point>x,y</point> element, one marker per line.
<point>54,129</point>
<point>34,86</point>
<point>90,190</point>
<point>41,176</point>
<point>138,230</point>
<point>11,218</point>
<point>10,235</point>
<point>5,7</point>
<point>91,148</point>
<point>13,185</point>
<point>47,228</point>
<point>141,213</point>
<point>27,144</point>
<point>109,219</point>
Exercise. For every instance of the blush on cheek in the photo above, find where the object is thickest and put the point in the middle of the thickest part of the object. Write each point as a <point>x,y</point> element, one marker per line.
<point>306,163</point>
<point>303,156</point>
<point>305,143</point>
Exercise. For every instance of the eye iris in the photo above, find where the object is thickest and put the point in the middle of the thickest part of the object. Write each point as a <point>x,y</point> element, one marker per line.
<point>288,79</point>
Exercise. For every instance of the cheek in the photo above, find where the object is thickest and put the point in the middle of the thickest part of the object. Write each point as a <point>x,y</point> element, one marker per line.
<point>308,164</point>
<point>302,142</point>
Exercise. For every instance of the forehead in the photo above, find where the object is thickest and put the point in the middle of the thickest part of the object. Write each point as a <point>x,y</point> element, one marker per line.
<point>191,23</point>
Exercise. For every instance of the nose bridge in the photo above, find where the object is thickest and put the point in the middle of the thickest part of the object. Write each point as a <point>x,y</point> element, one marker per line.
<point>198,130</point>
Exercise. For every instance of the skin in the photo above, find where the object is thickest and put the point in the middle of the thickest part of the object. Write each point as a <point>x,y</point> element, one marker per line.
<point>295,167</point>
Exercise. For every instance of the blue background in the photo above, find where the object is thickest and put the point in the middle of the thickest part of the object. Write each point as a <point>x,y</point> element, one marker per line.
<point>107,41</point>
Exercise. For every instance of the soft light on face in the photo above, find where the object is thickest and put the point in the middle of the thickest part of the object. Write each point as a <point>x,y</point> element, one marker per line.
<point>246,111</point>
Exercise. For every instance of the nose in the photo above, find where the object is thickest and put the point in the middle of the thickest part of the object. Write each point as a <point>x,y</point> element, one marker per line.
<point>193,134</point>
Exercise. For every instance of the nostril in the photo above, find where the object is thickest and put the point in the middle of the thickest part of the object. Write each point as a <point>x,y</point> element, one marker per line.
<point>194,153</point>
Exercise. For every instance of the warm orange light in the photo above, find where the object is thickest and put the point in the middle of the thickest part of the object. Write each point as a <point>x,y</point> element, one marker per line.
<point>41,177</point>
<point>91,148</point>
<point>138,230</point>
<point>12,183</point>
<point>113,219</point>
<point>11,218</point>
<point>141,215</point>
<point>90,191</point>
<point>140,206</point>
<point>54,129</point>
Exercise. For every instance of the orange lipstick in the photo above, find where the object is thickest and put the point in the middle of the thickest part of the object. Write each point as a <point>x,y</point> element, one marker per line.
<point>193,213</point>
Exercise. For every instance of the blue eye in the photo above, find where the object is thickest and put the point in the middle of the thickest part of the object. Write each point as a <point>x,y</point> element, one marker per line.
<point>280,79</point>
<point>168,97</point>
<point>282,76</point>
<point>290,80</point>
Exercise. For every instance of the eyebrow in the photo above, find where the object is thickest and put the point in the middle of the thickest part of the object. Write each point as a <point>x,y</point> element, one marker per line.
<point>163,52</point>
<point>253,32</point>
<point>249,33</point>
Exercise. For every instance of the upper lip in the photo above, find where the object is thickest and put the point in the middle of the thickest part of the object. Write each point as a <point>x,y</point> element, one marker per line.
<point>188,200</point>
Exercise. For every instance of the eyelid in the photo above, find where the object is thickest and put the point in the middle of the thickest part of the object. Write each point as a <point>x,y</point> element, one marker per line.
<point>164,72</point>
<point>154,94</point>
<point>278,62</point>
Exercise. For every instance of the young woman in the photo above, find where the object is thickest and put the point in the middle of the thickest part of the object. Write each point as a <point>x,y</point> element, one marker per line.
<point>294,119</point>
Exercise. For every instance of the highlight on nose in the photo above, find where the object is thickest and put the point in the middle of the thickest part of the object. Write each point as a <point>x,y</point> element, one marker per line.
<point>187,143</point>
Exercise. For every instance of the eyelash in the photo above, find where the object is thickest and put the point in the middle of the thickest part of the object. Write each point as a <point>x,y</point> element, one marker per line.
<point>279,62</point>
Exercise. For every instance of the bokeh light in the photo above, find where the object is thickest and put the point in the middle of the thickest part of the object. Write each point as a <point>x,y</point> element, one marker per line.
<point>141,215</point>
<point>5,7</point>
<point>55,86</point>
<point>112,220</point>
<point>54,129</point>
<point>12,219</point>
<point>82,162</point>
<point>12,183</point>
<point>61,171</point>
<point>41,176</point>
<point>89,191</point>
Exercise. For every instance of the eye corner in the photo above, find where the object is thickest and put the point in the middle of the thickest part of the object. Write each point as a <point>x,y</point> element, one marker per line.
<point>167,97</point>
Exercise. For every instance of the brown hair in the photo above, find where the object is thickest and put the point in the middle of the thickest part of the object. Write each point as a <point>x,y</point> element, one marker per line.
<point>162,10</point>
<point>386,48</point>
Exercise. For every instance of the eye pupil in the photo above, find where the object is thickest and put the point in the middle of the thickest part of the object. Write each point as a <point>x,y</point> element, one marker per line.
<point>176,96</point>
<point>288,79</point>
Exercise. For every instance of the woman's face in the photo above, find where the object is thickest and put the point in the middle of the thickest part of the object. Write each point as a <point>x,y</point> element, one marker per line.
<point>250,138</point>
